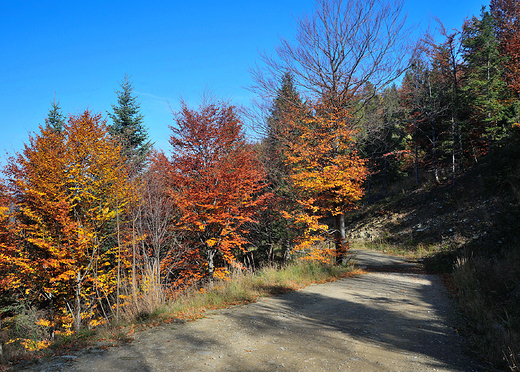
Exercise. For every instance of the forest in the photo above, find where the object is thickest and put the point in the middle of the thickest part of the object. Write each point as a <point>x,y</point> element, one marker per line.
<point>94,221</point>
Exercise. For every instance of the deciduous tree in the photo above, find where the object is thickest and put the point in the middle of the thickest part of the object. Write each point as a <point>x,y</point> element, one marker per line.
<point>328,175</point>
<point>215,181</point>
<point>506,14</point>
<point>68,188</point>
<point>339,49</point>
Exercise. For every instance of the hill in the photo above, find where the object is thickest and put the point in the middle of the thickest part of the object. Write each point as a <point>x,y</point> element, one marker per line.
<point>468,231</point>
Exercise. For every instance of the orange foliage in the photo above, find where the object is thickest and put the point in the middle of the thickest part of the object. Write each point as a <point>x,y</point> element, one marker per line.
<point>215,181</point>
<point>67,188</point>
<point>7,244</point>
<point>326,172</point>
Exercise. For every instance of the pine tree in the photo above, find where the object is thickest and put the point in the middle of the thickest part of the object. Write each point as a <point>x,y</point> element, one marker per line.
<point>128,124</point>
<point>55,119</point>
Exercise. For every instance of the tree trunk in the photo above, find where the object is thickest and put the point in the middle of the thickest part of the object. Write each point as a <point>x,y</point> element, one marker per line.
<point>453,151</point>
<point>77,316</point>
<point>211,265</point>
<point>384,175</point>
<point>416,161</point>
<point>434,153</point>
<point>341,241</point>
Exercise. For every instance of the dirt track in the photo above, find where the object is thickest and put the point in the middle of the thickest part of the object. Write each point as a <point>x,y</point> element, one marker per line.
<point>391,319</point>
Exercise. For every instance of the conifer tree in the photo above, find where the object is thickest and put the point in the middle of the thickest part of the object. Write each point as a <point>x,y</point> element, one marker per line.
<point>485,87</point>
<point>273,231</point>
<point>128,125</point>
<point>55,119</point>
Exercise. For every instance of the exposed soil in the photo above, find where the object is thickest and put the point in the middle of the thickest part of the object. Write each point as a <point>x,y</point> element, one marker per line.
<point>394,318</point>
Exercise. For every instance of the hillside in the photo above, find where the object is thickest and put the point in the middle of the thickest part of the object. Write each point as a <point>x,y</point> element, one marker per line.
<point>470,230</point>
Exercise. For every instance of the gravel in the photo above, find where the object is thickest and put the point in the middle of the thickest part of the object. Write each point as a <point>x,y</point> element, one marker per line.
<point>389,320</point>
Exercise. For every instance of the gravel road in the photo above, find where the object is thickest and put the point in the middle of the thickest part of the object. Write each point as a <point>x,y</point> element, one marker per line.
<point>393,318</point>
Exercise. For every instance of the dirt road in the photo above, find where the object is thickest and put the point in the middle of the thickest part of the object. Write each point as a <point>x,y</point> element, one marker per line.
<point>391,319</point>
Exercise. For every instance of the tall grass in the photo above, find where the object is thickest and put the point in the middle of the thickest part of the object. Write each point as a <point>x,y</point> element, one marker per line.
<point>489,294</point>
<point>245,287</point>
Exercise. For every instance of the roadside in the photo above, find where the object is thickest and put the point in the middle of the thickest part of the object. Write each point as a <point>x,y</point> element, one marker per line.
<point>380,321</point>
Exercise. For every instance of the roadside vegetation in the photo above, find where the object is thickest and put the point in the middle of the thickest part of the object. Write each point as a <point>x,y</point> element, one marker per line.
<point>29,333</point>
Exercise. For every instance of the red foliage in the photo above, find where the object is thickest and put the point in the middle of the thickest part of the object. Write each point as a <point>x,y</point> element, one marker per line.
<point>215,180</point>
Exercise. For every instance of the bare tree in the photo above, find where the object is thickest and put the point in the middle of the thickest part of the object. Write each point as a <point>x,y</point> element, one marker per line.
<point>340,48</point>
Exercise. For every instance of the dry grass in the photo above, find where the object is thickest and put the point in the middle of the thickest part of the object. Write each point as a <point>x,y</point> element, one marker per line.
<point>150,306</point>
<point>246,287</point>
<point>489,294</point>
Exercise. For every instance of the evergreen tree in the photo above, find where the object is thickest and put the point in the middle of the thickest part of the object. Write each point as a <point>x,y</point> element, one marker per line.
<point>485,88</point>
<point>381,137</point>
<point>55,119</point>
<point>274,231</point>
<point>286,106</point>
<point>128,125</point>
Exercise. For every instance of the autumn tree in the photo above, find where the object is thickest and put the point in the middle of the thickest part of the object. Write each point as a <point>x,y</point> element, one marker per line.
<point>127,124</point>
<point>155,243</point>
<point>215,180</point>
<point>67,189</point>
<point>339,49</point>
<point>9,283</point>
<point>328,175</point>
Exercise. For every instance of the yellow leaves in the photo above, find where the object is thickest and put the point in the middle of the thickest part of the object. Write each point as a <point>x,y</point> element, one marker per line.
<point>31,345</point>
<point>326,172</point>
<point>221,273</point>
<point>93,323</point>
<point>211,242</point>
<point>68,188</point>
<point>65,276</point>
<point>44,323</point>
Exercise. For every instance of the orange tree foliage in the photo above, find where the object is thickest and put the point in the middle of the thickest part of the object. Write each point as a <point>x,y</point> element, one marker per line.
<point>328,176</point>
<point>215,180</point>
<point>68,188</point>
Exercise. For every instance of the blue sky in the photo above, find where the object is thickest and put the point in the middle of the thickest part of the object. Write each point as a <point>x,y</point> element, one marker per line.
<point>78,51</point>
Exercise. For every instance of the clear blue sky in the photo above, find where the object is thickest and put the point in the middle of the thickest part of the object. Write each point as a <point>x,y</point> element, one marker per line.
<point>80,50</point>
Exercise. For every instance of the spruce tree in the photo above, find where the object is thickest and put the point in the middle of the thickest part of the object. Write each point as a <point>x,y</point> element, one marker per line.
<point>485,88</point>
<point>55,119</point>
<point>274,231</point>
<point>285,107</point>
<point>128,126</point>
